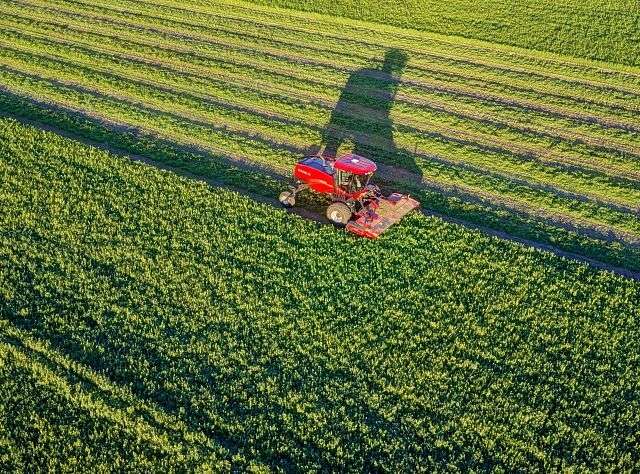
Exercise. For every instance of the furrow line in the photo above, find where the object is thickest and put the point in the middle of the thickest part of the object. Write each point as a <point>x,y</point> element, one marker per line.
<point>287,145</point>
<point>189,27</point>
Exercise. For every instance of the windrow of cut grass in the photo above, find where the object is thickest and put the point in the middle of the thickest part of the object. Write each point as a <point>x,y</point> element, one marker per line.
<point>412,109</point>
<point>225,170</point>
<point>362,33</point>
<point>570,157</point>
<point>452,70</point>
<point>591,29</point>
<point>145,312</point>
<point>102,39</point>
<point>191,131</point>
<point>476,131</point>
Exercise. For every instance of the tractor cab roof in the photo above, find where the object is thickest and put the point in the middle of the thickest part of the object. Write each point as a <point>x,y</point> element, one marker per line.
<point>355,164</point>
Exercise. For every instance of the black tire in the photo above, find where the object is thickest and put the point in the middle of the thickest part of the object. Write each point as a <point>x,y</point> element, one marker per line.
<point>339,213</point>
<point>287,198</point>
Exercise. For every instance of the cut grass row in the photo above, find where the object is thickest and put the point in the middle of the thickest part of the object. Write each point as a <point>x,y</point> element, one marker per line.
<point>405,107</point>
<point>291,131</point>
<point>591,185</point>
<point>628,137</point>
<point>108,38</point>
<point>239,323</point>
<point>409,136</point>
<point>358,35</point>
<point>630,171</point>
<point>224,170</point>
<point>590,29</point>
<point>312,53</point>
<point>167,122</point>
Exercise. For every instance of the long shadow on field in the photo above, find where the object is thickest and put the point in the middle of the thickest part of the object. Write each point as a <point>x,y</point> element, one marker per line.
<point>363,111</point>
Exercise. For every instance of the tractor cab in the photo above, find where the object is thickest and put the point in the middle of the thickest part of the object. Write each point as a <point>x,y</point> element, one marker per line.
<point>352,174</point>
<point>347,176</point>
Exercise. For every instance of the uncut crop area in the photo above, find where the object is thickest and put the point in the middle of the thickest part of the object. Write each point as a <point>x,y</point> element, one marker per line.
<point>534,145</point>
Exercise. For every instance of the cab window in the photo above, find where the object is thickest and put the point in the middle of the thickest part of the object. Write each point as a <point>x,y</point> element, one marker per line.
<point>342,178</point>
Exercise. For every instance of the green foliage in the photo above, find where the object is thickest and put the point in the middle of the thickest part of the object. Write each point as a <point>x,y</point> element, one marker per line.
<point>542,147</point>
<point>225,174</point>
<point>585,28</point>
<point>148,316</point>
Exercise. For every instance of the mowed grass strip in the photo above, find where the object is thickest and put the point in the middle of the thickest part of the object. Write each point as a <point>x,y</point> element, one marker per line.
<point>307,53</point>
<point>436,114</point>
<point>409,135</point>
<point>405,117</point>
<point>191,132</point>
<point>246,133</point>
<point>361,34</point>
<point>590,185</point>
<point>206,32</point>
<point>110,38</point>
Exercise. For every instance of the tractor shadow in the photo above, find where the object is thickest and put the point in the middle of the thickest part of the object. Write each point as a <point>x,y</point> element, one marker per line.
<point>362,114</point>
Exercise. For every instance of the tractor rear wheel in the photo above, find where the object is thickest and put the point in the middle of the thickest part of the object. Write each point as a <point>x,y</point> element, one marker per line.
<point>339,213</point>
<point>287,198</point>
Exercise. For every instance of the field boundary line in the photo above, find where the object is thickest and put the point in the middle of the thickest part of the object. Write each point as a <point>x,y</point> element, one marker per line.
<point>310,215</point>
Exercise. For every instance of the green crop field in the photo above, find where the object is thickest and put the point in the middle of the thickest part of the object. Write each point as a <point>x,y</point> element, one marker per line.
<point>166,316</point>
<point>605,30</point>
<point>152,322</point>
<point>540,147</point>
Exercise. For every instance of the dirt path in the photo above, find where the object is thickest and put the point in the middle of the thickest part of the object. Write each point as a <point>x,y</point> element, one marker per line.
<point>315,216</point>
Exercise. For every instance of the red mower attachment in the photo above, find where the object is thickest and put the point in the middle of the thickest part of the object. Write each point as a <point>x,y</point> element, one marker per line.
<point>356,204</point>
<point>371,223</point>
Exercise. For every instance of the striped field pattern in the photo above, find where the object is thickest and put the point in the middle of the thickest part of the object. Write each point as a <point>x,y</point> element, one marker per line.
<point>540,146</point>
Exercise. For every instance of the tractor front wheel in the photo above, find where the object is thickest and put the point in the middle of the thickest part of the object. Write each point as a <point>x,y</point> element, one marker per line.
<point>339,213</point>
<point>287,198</point>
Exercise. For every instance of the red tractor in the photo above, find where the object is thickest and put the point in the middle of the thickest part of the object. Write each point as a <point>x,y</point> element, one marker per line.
<point>356,204</point>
